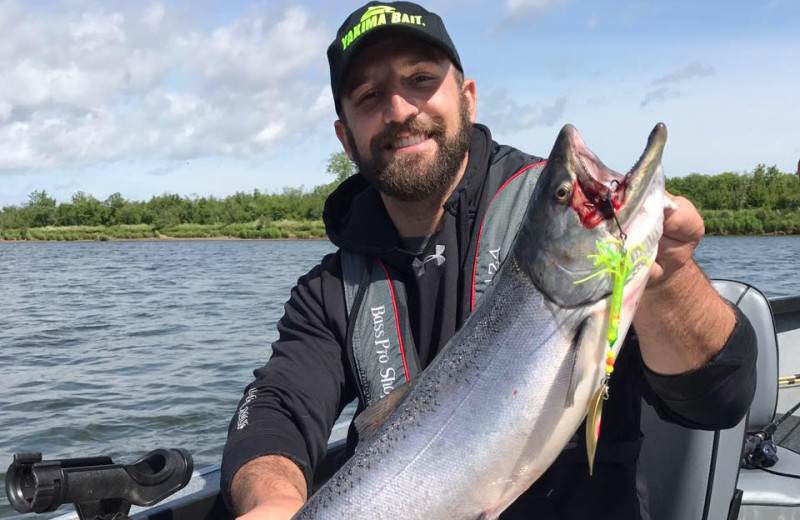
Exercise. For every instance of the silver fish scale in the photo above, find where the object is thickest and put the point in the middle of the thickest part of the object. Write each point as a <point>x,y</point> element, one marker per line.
<point>483,421</point>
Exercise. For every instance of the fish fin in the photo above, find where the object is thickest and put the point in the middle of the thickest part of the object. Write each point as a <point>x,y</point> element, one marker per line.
<point>575,378</point>
<point>593,421</point>
<point>375,415</point>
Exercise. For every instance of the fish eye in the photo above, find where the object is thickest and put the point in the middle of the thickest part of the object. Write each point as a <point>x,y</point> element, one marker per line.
<point>564,192</point>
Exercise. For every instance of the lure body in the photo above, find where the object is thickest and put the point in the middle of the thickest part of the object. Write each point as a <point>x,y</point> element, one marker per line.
<point>615,261</point>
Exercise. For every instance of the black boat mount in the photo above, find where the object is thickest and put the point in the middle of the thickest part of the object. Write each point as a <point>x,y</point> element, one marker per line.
<point>99,489</point>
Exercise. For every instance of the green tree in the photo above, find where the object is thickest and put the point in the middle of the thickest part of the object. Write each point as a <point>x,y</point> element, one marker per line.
<point>165,210</point>
<point>41,209</point>
<point>113,204</point>
<point>88,210</point>
<point>132,213</point>
<point>340,165</point>
<point>13,217</point>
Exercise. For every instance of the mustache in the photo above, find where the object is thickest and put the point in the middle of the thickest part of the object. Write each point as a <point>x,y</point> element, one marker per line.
<point>434,128</point>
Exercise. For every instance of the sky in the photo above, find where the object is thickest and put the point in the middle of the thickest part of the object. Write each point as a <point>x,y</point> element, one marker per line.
<point>207,98</point>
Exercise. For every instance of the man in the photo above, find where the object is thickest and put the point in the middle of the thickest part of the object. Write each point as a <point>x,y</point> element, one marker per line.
<point>427,174</point>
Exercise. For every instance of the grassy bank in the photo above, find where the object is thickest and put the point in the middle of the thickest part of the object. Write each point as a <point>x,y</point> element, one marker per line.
<point>763,201</point>
<point>752,222</point>
<point>718,222</point>
<point>259,229</point>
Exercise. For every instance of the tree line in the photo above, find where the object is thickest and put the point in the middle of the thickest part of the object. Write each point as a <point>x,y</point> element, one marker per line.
<point>170,210</point>
<point>766,187</point>
<point>165,211</point>
<point>763,200</point>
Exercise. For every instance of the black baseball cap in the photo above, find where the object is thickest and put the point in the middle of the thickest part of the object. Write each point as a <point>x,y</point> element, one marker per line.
<point>375,20</point>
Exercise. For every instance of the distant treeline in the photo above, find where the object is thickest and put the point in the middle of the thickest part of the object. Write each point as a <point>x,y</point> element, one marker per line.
<point>168,212</point>
<point>165,211</point>
<point>765,200</point>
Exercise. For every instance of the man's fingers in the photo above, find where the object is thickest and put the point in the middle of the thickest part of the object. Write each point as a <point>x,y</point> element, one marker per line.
<point>669,203</point>
<point>683,229</point>
<point>684,223</point>
<point>668,246</point>
<point>277,509</point>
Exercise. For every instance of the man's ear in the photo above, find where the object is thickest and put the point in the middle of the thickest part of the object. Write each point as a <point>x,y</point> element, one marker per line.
<point>472,98</point>
<point>341,134</point>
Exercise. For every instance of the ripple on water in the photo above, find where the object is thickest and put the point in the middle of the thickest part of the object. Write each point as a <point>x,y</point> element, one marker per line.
<point>768,263</point>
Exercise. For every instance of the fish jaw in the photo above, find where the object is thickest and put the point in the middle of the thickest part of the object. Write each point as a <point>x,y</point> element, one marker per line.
<point>579,202</point>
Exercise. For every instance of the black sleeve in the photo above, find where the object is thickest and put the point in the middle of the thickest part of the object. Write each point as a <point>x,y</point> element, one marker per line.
<point>714,396</point>
<point>291,406</point>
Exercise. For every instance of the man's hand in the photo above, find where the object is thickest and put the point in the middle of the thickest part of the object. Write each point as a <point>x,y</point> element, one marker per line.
<point>682,322</point>
<point>683,229</point>
<point>278,508</point>
<point>268,488</point>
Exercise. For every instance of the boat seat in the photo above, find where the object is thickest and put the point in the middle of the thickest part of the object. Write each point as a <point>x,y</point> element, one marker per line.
<point>766,495</point>
<point>693,473</point>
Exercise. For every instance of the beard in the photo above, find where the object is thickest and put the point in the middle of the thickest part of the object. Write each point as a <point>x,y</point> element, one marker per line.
<point>415,177</point>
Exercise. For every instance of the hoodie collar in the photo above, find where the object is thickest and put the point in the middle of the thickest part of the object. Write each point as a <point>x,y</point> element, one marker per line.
<point>356,218</point>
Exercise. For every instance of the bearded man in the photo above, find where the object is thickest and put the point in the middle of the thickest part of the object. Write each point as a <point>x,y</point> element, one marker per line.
<point>427,174</point>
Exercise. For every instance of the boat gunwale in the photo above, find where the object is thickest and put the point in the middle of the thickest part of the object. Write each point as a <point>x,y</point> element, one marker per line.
<point>782,305</point>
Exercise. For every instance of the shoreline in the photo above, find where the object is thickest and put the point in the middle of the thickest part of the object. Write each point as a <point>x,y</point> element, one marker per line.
<point>279,230</point>
<point>165,238</point>
<point>169,239</point>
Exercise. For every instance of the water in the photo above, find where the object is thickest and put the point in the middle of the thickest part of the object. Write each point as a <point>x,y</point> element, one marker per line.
<point>117,348</point>
<point>120,347</point>
<point>770,263</point>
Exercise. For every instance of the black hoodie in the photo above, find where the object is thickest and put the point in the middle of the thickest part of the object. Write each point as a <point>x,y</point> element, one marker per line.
<point>291,406</point>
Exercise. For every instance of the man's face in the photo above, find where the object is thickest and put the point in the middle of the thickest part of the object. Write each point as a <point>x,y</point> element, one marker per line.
<point>406,119</point>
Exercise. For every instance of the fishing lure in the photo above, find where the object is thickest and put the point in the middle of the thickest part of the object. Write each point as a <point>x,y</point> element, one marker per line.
<point>613,258</point>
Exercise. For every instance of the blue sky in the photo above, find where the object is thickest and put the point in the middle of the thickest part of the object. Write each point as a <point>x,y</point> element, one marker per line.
<point>213,97</point>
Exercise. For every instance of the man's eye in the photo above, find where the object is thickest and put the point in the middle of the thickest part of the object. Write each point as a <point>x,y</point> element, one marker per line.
<point>422,78</point>
<point>367,96</point>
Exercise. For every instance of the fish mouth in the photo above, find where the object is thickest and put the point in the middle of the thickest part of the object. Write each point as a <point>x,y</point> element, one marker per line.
<point>603,195</point>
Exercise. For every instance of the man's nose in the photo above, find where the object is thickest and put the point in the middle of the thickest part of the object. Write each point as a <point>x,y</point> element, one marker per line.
<point>399,108</point>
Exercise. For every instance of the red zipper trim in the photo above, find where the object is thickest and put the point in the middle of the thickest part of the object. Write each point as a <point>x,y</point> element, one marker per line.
<point>396,320</point>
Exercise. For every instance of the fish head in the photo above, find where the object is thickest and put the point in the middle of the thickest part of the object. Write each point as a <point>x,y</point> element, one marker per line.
<point>579,202</point>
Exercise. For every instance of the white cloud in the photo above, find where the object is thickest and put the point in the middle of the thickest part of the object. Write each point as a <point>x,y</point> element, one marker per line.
<point>10,14</point>
<point>269,133</point>
<point>517,13</point>
<point>153,16</point>
<point>84,83</point>
<point>665,82</point>
<point>660,94</point>
<point>500,111</point>
<point>258,52</point>
<point>690,71</point>
<point>5,110</point>
<point>97,31</point>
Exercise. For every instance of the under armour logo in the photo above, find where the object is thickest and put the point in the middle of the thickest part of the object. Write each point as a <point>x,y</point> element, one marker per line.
<point>438,257</point>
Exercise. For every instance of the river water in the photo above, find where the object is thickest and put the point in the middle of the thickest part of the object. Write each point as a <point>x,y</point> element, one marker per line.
<point>116,348</point>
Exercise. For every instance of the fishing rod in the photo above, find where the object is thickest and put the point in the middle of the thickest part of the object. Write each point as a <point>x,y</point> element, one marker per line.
<point>760,452</point>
